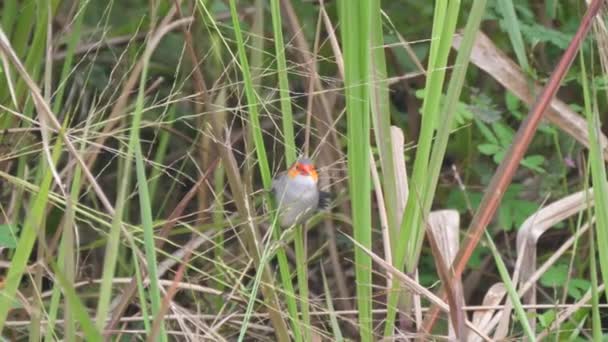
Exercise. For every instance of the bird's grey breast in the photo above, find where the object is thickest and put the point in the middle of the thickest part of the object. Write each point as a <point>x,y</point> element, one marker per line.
<point>296,200</point>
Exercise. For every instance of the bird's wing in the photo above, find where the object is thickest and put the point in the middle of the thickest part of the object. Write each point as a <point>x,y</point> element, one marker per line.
<point>279,181</point>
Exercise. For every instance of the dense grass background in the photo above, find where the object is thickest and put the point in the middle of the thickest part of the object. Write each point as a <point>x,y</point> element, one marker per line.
<point>139,140</point>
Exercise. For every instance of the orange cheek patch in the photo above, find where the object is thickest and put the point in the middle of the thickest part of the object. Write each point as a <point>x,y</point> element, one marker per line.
<point>314,175</point>
<point>293,172</point>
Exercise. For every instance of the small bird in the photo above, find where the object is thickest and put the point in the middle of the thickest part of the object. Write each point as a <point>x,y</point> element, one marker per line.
<point>297,194</point>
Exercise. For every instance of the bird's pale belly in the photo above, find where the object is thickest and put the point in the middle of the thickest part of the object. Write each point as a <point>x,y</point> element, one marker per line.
<point>296,209</point>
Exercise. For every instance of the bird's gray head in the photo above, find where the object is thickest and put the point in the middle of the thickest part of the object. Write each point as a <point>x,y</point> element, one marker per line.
<point>305,161</point>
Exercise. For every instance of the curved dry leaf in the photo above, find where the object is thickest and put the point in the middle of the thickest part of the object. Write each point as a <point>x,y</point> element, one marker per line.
<point>482,318</point>
<point>493,61</point>
<point>445,225</point>
<point>534,226</point>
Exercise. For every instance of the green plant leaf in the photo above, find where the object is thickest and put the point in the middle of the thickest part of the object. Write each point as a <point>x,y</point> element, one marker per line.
<point>534,163</point>
<point>504,133</point>
<point>486,132</point>
<point>512,102</point>
<point>546,318</point>
<point>8,235</point>
<point>489,149</point>
<point>577,287</point>
<point>499,156</point>
<point>556,276</point>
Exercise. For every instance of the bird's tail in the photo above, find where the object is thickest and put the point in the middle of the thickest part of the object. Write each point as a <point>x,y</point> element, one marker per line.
<point>325,199</point>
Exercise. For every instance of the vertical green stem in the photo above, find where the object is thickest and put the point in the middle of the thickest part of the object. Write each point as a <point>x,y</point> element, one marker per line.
<point>356,39</point>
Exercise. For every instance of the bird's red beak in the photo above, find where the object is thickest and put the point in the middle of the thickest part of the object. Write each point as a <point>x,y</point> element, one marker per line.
<point>308,169</point>
<point>305,169</point>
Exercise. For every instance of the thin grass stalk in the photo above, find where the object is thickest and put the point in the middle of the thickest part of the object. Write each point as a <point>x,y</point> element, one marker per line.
<point>357,19</point>
<point>64,253</point>
<point>257,45</point>
<point>520,312</point>
<point>333,318</point>
<point>302,276</point>
<point>112,245</point>
<point>406,245</point>
<point>145,201</point>
<point>159,156</point>
<point>596,320</point>
<point>264,258</point>
<point>252,100</point>
<point>218,221</point>
<point>71,255</point>
<point>598,171</point>
<point>141,288</point>
<point>285,99</point>
<point>74,40</point>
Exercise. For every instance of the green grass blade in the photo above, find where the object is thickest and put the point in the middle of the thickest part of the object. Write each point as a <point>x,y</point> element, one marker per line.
<point>252,100</point>
<point>405,247</point>
<point>356,36</point>
<point>144,199</point>
<point>286,112</point>
<point>520,313</point>
<point>381,118</point>
<point>596,323</point>
<point>112,246</point>
<point>598,171</point>
<point>302,275</point>
<point>513,29</point>
<point>412,222</point>
<point>161,151</point>
<point>9,16</point>
<point>91,332</point>
<point>290,157</point>
<point>330,307</point>
<point>29,233</point>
